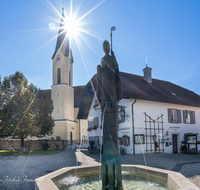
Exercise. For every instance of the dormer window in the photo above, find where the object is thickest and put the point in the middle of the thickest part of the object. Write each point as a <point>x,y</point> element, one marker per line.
<point>59,75</point>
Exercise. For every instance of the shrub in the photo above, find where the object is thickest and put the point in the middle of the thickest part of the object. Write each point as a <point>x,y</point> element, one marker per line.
<point>45,145</point>
<point>58,138</point>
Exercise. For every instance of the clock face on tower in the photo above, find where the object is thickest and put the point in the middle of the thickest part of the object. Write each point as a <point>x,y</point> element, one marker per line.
<point>58,58</point>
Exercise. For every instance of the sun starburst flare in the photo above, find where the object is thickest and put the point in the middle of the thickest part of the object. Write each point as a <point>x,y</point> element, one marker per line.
<point>72,25</point>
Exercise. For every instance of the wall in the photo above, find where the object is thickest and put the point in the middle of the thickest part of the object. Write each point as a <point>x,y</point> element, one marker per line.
<point>126,128</point>
<point>92,114</point>
<point>63,128</point>
<point>31,144</point>
<point>154,110</point>
<point>84,126</point>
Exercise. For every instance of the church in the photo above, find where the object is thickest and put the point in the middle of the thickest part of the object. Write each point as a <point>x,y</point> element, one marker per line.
<point>66,98</point>
<point>153,115</point>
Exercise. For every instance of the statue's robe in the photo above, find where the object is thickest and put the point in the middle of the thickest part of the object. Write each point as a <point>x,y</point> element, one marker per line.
<point>109,82</point>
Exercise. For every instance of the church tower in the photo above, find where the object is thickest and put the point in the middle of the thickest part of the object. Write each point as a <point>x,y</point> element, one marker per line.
<point>62,92</point>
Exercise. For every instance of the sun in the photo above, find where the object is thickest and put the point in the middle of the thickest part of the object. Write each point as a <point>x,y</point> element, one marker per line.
<point>72,26</point>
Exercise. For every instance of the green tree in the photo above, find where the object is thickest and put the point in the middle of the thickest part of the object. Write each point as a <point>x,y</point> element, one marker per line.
<point>24,109</point>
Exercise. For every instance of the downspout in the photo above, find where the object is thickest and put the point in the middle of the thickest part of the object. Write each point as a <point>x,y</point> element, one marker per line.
<point>133,126</point>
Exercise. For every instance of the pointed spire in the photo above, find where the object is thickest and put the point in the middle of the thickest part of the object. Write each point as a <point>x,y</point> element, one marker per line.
<point>63,9</point>
<point>62,40</point>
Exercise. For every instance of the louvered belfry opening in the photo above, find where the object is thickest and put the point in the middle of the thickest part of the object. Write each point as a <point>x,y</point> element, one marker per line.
<point>154,132</point>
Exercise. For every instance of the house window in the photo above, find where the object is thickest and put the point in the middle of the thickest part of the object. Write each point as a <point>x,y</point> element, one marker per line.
<point>121,114</point>
<point>59,75</point>
<point>95,104</point>
<point>95,123</point>
<point>125,140</point>
<point>70,81</point>
<point>96,140</point>
<point>174,115</point>
<point>188,117</point>
<point>89,125</point>
<point>139,139</point>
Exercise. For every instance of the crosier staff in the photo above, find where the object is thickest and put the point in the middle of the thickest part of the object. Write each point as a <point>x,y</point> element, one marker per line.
<point>112,29</point>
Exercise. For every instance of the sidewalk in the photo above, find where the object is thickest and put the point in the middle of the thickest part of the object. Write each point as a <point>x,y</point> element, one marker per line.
<point>19,172</point>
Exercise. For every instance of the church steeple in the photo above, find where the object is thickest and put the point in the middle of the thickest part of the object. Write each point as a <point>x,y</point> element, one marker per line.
<point>62,91</point>
<point>62,43</point>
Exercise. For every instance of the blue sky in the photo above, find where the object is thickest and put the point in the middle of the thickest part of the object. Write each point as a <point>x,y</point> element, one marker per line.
<point>165,32</point>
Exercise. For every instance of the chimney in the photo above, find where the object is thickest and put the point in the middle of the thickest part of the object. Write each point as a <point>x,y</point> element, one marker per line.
<point>147,74</point>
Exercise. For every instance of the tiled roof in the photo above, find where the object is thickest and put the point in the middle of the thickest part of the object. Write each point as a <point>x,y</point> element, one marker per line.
<point>78,92</point>
<point>136,87</point>
<point>44,94</point>
<point>87,97</point>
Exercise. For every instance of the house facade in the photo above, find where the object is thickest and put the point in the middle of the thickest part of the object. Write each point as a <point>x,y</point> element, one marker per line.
<point>152,113</point>
<point>147,121</point>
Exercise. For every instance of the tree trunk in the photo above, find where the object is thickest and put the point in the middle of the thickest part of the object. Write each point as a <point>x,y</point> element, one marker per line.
<point>22,142</point>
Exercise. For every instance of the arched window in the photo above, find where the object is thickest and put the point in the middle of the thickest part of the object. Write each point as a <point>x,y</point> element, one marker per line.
<point>70,81</point>
<point>59,75</point>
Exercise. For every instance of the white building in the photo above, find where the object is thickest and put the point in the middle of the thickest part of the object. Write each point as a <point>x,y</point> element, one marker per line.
<point>151,110</point>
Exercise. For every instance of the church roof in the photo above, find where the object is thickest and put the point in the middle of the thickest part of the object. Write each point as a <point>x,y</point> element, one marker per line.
<point>134,86</point>
<point>44,93</point>
<point>62,38</point>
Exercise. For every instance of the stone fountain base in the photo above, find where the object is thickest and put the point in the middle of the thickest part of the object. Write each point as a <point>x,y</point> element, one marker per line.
<point>174,180</point>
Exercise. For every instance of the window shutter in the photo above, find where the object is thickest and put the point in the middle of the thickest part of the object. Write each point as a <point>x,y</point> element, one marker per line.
<point>93,122</point>
<point>184,116</point>
<point>193,117</point>
<point>169,115</point>
<point>179,116</point>
<point>89,124</point>
<point>96,122</point>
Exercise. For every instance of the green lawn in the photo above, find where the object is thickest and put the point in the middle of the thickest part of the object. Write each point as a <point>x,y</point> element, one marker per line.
<point>17,152</point>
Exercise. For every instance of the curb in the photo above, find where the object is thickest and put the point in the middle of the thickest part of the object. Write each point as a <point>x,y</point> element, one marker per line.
<point>34,154</point>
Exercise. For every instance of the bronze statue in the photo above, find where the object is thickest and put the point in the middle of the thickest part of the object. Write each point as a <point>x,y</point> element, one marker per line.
<point>109,93</point>
<point>109,82</point>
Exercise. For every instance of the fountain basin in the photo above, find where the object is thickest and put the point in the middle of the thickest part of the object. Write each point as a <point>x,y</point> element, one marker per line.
<point>174,180</point>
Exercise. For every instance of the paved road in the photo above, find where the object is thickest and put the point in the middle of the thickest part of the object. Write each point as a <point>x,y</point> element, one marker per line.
<point>19,172</point>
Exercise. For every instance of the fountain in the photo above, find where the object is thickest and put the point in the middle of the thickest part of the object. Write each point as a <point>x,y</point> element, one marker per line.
<point>109,93</point>
<point>86,177</point>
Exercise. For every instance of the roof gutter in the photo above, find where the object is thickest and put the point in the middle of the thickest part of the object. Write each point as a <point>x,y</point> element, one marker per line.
<point>133,126</point>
